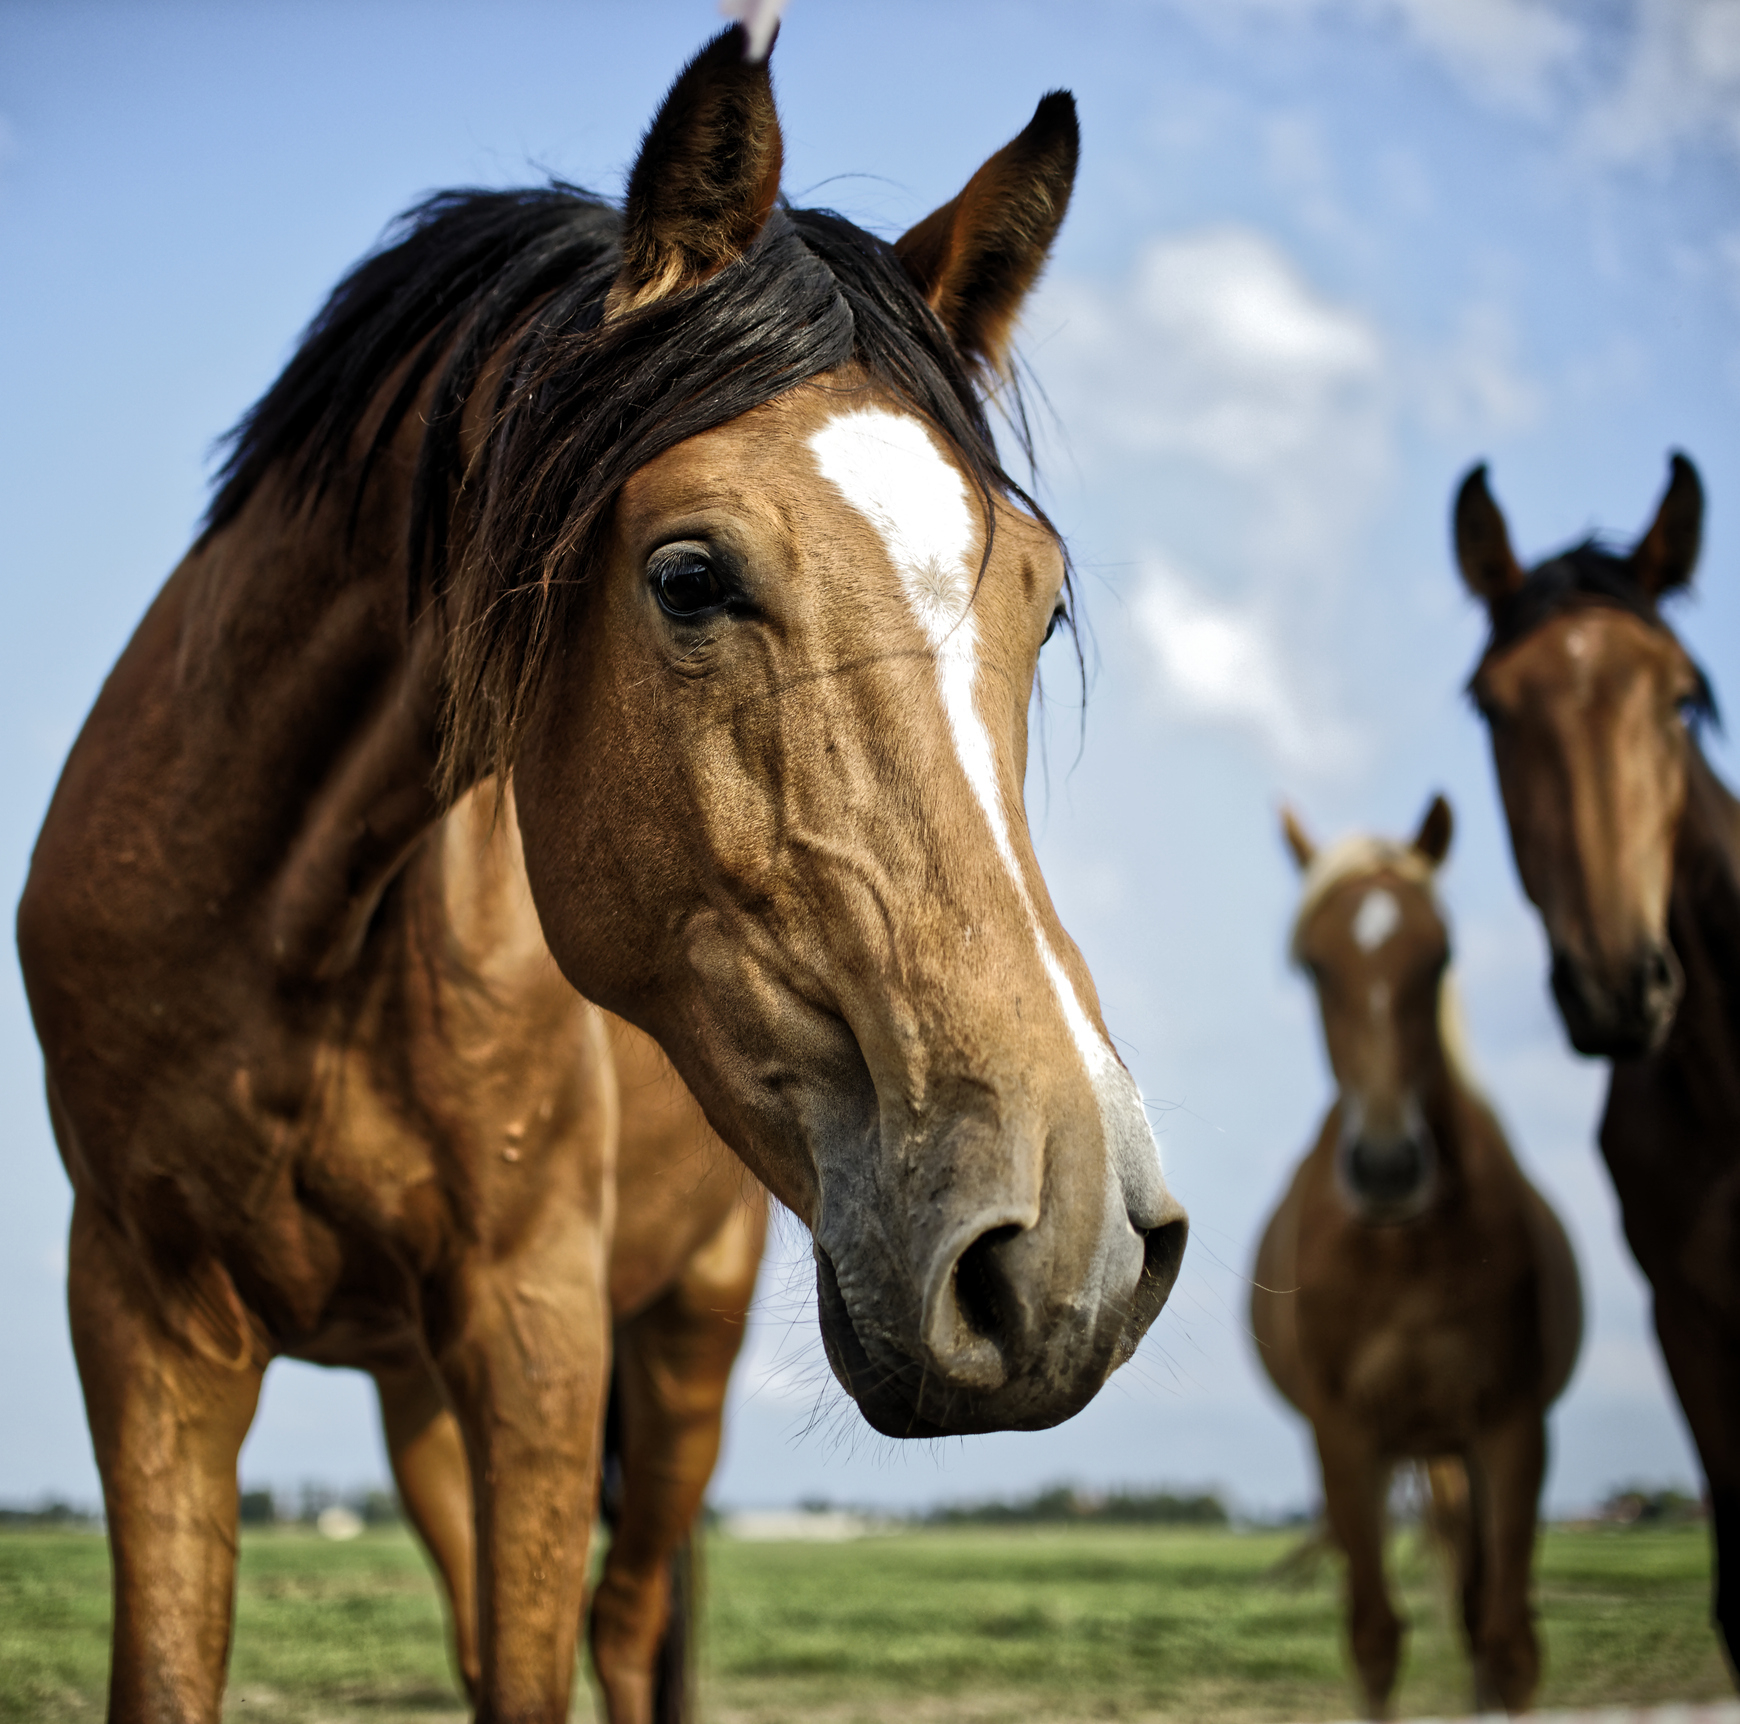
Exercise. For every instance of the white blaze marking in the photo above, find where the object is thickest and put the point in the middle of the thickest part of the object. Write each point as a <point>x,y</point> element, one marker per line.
<point>889,470</point>
<point>1378,917</point>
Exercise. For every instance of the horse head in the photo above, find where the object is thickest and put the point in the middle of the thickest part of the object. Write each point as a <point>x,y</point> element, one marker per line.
<point>1587,696</point>
<point>769,772</point>
<point>1370,936</point>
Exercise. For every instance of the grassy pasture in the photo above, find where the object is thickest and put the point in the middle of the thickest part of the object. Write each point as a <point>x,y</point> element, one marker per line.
<point>977,1624</point>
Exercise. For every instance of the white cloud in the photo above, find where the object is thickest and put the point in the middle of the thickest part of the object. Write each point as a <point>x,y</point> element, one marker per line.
<point>1222,663</point>
<point>1216,349</point>
<point>1507,51</point>
<point>1664,74</point>
<point>1242,420</point>
<point>1477,385</point>
<point>1250,359</point>
<point>1679,80</point>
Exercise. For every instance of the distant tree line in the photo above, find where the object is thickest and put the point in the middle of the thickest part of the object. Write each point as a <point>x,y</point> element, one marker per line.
<point>54,1512</point>
<point>266,1508</point>
<point>1063,1504</point>
<point>1640,1506</point>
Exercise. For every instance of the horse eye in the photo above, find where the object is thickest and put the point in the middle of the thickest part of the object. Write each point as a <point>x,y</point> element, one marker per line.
<point>687,584</point>
<point>1058,618</point>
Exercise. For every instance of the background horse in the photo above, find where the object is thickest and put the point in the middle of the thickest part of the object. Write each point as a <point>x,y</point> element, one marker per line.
<point>1414,1297</point>
<point>689,517</point>
<point>1629,846</point>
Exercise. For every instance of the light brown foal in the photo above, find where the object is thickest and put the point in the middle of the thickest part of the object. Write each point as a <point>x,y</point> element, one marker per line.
<point>1414,1297</point>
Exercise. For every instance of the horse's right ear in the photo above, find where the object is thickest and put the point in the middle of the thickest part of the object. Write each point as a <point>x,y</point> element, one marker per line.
<point>976,259</point>
<point>1483,552</point>
<point>1298,841</point>
<point>1666,555</point>
<point>706,179</point>
<point>1433,839</point>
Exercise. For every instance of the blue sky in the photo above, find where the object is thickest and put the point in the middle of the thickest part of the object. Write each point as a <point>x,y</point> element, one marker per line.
<point>1323,254</point>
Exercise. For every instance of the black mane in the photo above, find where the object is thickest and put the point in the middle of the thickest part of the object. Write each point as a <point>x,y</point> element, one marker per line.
<point>471,278</point>
<point>1586,574</point>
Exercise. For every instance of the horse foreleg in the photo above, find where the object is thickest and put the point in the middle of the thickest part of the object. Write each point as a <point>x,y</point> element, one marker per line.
<point>1701,1359</point>
<point>673,1361</point>
<point>428,1459</point>
<point>169,1397</point>
<point>1505,1472</point>
<point>1354,1483</point>
<point>521,1344</point>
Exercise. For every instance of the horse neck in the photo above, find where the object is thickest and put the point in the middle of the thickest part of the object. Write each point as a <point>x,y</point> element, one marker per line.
<point>302,629</point>
<point>1704,924</point>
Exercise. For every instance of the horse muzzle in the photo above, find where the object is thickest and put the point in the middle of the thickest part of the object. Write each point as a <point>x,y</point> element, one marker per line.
<point>996,1334</point>
<point>1387,1177</point>
<point>1620,1015</point>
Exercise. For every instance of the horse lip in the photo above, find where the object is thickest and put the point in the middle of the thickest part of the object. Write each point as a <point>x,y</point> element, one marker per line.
<point>1604,1023</point>
<point>874,1388</point>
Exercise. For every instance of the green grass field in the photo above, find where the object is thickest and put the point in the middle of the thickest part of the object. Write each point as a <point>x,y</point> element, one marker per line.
<point>1006,1624</point>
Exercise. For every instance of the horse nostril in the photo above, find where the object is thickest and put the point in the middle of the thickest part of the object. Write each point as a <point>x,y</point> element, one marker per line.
<point>1163,1253</point>
<point>1658,972</point>
<point>982,1292</point>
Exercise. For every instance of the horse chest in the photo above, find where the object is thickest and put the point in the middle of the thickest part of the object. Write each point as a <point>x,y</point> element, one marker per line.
<point>1405,1343</point>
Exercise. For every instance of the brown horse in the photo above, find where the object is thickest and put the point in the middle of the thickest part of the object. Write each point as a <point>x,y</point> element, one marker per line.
<point>687,515</point>
<point>1414,1297</point>
<point>1629,846</point>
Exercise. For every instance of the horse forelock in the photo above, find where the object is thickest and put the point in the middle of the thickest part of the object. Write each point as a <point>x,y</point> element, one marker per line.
<point>1587,575</point>
<point>1360,855</point>
<point>1347,859</point>
<point>475,285</point>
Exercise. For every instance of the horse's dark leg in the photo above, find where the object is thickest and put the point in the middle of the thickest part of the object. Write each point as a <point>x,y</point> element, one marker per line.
<point>1705,1367</point>
<point>169,1397</point>
<point>673,1361</point>
<point>1725,1532</point>
<point>1504,1475</point>
<point>521,1341</point>
<point>428,1458</point>
<point>1355,1480</point>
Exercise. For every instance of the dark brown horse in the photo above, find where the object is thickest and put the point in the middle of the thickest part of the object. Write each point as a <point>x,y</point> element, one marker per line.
<point>1414,1297</point>
<point>688,517</point>
<point>1629,846</point>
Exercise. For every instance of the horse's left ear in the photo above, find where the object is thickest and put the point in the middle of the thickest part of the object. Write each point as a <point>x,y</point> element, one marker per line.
<point>1666,555</point>
<point>1488,564</point>
<point>1433,839</point>
<point>706,179</point>
<point>976,259</point>
<point>1298,839</point>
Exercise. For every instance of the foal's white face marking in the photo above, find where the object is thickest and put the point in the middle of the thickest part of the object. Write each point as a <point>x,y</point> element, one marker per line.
<point>889,469</point>
<point>1378,917</point>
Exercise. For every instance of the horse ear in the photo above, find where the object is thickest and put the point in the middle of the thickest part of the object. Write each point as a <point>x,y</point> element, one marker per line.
<point>1666,555</point>
<point>976,259</point>
<point>1483,553</point>
<point>1298,840</point>
<point>1433,839</point>
<point>706,179</point>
